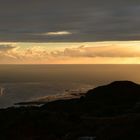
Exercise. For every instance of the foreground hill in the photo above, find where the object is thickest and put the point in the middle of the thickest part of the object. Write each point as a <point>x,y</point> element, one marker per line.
<point>109,112</point>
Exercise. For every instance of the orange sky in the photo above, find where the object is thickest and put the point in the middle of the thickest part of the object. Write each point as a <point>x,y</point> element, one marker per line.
<point>110,52</point>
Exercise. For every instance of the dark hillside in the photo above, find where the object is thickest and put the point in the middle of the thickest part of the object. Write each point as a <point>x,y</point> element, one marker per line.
<point>110,112</point>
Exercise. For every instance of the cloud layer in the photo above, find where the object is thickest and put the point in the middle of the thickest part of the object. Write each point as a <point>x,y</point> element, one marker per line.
<point>82,20</point>
<point>104,51</point>
<point>119,53</point>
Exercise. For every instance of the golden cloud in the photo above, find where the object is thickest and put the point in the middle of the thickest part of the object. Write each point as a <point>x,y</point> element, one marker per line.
<point>82,54</point>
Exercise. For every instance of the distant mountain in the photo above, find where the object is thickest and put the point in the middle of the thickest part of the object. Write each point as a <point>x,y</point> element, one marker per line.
<point>116,88</point>
<point>115,98</point>
<point>117,92</point>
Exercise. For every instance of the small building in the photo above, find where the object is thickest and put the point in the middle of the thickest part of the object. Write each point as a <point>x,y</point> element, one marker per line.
<point>87,138</point>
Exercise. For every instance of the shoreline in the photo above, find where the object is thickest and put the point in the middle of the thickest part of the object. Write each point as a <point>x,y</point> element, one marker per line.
<point>51,98</point>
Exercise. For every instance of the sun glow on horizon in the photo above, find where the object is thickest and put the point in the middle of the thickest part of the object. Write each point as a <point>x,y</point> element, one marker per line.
<point>107,52</point>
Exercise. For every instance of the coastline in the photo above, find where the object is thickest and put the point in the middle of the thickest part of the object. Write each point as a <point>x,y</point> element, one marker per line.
<point>106,112</point>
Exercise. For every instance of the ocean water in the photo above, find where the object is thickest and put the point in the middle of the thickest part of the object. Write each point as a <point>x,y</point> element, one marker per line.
<point>21,83</point>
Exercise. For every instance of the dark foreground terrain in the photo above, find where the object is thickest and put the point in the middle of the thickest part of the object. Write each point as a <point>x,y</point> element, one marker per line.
<point>110,112</point>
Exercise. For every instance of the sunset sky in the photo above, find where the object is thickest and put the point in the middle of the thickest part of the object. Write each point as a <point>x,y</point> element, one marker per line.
<point>69,31</point>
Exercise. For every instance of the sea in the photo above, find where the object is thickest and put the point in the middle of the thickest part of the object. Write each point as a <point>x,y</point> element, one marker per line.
<point>25,83</point>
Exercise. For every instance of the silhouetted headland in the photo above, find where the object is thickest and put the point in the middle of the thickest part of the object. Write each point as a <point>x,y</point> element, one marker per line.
<point>109,112</point>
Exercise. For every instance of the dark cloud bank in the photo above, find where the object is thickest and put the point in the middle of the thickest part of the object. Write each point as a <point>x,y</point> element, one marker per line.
<point>86,20</point>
